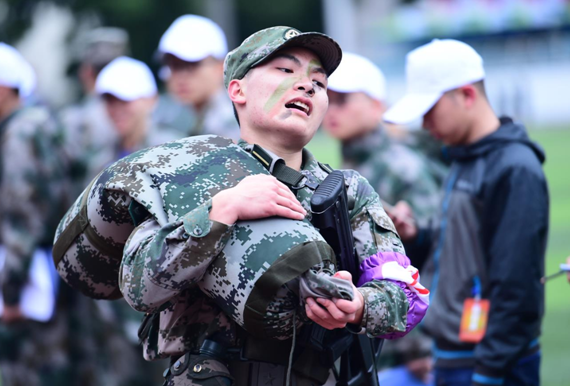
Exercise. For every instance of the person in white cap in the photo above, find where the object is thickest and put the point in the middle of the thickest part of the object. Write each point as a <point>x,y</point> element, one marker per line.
<point>357,94</point>
<point>32,187</point>
<point>192,52</point>
<point>485,252</point>
<point>129,94</point>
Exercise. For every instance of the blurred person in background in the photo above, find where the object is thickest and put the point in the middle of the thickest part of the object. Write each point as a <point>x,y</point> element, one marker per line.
<point>357,94</point>
<point>87,124</point>
<point>33,333</point>
<point>129,93</point>
<point>192,53</point>
<point>486,249</point>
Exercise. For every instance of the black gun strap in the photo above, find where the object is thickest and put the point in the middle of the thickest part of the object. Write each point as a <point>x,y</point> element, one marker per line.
<point>287,175</point>
<point>276,166</point>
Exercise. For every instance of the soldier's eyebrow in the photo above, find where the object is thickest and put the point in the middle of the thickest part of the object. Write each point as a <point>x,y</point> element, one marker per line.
<point>314,65</point>
<point>288,56</point>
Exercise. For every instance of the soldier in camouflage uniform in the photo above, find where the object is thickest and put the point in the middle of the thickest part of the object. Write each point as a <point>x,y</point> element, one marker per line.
<point>192,53</point>
<point>129,94</point>
<point>86,123</point>
<point>277,81</point>
<point>32,185</point>
<point>356,105</point>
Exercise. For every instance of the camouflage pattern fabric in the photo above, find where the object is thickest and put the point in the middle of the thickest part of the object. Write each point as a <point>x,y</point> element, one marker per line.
<point>259,46</point>
<point>184,316</point>
<point>217,117</point>
<point>394,170</point>
<point>107,331</point>
<point>32,187</point>
<point>248,253</point>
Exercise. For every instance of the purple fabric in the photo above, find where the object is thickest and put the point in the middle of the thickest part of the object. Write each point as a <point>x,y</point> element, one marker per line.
<point>371,268</point>
<point>416,312</point>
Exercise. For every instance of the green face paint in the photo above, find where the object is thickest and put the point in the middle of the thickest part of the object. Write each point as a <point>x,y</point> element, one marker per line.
<point>278,93</point>
<point>312,64</point>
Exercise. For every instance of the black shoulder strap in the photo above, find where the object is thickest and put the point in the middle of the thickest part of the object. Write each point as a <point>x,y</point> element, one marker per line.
<point>276,166</point>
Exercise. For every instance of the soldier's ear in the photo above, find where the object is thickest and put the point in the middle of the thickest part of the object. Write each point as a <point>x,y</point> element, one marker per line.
<point>236,91</point>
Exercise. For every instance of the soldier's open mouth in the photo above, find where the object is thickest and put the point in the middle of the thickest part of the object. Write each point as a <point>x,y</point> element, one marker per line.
<point>299,106</point>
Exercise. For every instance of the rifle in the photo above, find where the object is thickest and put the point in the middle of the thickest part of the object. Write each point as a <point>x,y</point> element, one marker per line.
<point>329,207</point>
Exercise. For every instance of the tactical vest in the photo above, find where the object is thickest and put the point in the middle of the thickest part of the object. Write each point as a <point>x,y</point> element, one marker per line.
<point>165,183</point>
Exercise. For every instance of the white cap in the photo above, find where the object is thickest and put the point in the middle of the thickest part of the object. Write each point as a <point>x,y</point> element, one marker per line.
<point>127,79</point>
<point>15,71</point>
<point>193,38</point>
<point>431,70</point>
<point>358,74</point>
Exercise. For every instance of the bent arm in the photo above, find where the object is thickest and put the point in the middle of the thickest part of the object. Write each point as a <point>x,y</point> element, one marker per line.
<point>386,304</point>
<point>160,262</point>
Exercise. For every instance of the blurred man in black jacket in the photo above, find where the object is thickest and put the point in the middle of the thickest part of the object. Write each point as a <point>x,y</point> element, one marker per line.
<point>485,252</point>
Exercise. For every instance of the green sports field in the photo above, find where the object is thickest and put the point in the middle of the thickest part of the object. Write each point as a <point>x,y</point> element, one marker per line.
<point>555,339</point>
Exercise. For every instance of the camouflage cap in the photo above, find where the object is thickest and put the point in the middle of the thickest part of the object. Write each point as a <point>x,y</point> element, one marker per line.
<point>101,45</point>
<point>262,44</point>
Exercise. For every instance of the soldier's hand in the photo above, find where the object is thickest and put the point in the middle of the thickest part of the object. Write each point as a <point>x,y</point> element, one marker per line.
<point>256,197</point>
<point>12,314</point>
<point>403,217</point>
<point>336,313</point>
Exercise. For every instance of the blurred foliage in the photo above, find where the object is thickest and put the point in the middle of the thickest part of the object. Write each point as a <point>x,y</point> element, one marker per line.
<point>305,15</point>
<point>146,20</point>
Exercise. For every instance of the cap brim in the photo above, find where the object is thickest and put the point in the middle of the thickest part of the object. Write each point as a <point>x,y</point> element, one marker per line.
<point>411,107</point>
<point>326,48</point>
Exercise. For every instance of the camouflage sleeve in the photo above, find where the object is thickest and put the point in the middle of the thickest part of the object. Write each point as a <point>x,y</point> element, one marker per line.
<point>23,204</point>
<point>385,308</point>
<point>386,304</point>
<point>160,262</point>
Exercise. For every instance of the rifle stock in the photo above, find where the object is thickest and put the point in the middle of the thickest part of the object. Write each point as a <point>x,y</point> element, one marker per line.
<point>329,207</point>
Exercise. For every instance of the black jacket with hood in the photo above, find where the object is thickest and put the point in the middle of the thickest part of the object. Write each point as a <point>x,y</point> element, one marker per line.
<point>492,227</point>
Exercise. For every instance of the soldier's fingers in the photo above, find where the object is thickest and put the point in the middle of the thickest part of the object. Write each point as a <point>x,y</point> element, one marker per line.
<point>319,311</point>
<point>319,321</point>
<point>291,204</point>
<point>288,194</point>
<point>335,312</point>
<point>346,306</point>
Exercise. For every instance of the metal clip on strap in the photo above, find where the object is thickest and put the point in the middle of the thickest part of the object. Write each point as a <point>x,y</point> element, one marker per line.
<point>276,166</point>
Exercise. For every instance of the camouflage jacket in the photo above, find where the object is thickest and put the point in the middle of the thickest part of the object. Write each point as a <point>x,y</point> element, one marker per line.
<point>394,170</point>
<point>32,185</point>
<point>216,118</point>
<point>162,264</point>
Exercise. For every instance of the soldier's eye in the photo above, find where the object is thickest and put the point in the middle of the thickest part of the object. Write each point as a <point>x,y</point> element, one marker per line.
<point>320,84</point>
<point>286,70</point>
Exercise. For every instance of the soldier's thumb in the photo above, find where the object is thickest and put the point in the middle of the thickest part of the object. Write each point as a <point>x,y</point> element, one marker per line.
<point>345,275</point>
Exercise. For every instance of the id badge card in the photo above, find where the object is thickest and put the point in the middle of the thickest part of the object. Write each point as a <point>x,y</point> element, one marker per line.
<point>474,320</point>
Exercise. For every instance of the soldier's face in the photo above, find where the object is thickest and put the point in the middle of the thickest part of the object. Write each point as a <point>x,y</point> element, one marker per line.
<point>287,95</point>
<point>193,83</point>
<point>351,114</point>
<point>128,116</point>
